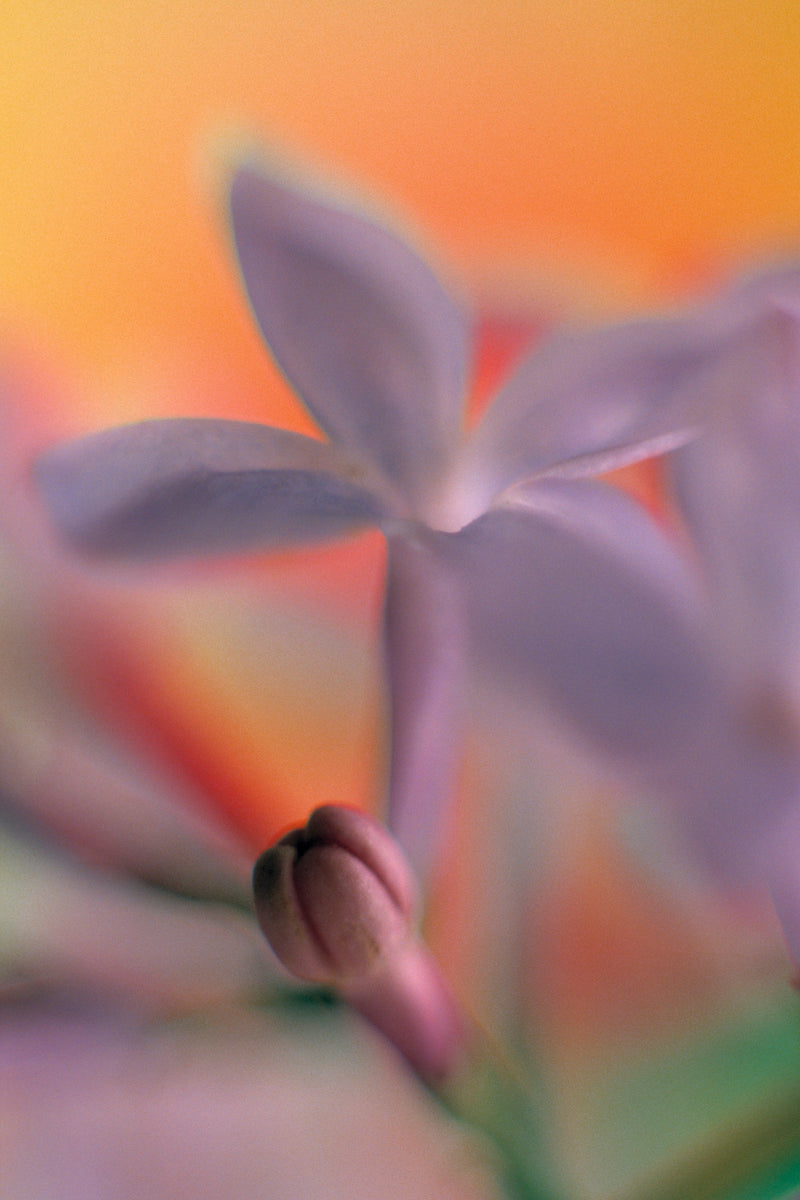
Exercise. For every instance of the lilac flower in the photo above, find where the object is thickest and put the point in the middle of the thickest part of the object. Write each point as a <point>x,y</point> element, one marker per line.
<point>493,542</point>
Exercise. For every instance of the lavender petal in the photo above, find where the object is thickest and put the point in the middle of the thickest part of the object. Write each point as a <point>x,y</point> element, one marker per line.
<point>738,490</point>
<point>590,401</point>
<point>561,615</point>
<point>725,787</point>
<point>173,488</point>
<point>357,321</point>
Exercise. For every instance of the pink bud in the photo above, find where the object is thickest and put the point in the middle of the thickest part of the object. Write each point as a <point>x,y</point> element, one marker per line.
<point>336,903</point>
<point>334,900</point>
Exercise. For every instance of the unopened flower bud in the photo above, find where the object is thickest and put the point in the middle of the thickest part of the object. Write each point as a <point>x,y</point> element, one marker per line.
<point>335,900</point>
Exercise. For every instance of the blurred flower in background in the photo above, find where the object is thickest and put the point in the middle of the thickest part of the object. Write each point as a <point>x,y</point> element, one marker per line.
<point>571,160</point>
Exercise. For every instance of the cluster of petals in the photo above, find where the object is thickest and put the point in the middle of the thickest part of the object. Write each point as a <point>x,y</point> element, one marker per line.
<point>499,545</point>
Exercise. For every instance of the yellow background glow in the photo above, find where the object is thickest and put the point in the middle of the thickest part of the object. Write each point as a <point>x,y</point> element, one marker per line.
<point>630,145</point>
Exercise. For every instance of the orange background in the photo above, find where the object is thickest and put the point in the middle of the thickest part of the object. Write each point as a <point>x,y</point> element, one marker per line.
<point>612,150</point>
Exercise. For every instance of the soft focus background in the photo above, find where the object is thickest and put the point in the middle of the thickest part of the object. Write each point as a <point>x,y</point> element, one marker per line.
<point>618,152</point>
<point>568,160</point>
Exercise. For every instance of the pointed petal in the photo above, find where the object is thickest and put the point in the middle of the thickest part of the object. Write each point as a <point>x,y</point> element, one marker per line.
<point>732,799</point>
<point>560,614</point>
<point>357,321</point>
<point>589,401</point>
<point>424,649</point>
<point>166,489</point>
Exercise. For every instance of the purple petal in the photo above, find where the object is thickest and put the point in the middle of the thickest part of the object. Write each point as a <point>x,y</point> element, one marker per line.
<point>583,605</point>
<point>612,518</point>
<point>739,492</point>
<point>424,649</point>
<point>726,786</point>
<point>165,489</point>
<point>560,614</point>
<point>783,877</point>
<point>235,1107</point>
<point>732,798</point>
<point>589,401</point>
<point>777,286</point>
<point>357,321</point>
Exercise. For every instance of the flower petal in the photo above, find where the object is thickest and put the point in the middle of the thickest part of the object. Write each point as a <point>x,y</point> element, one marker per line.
<point>165,489</point>
<point>588,401</point>
<point>357,321</point>
<point>75,785</point>
<point>74,928</point>
<point>424,645</point>
<point>739,491</point>
<point>611,517</point>
<point>776,286</point>
<point>249,1105</point>
<point>783,878</point>
<point>724,788</point>
<point>561,614</point>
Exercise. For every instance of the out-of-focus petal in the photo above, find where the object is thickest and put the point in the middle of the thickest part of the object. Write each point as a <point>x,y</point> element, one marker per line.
<point>739,492</point>
<point>611,517</point>
<point>731,797</point>
<point>560,613</point>
<point>65,772</point>
<point>84,931</point>
<point>775,287</point>
<point>85,791</point>
<point>424,642</point>
<point>256,1107</point>
<point>589,401</point>
<point>578,598</point>
<point>357,321</point>
<point>191,486</point>
<point>783,877</point>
